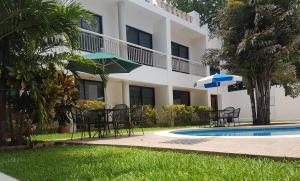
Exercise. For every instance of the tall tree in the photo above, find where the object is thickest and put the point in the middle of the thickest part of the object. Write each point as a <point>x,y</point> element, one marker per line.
<point>30,30</point>
<point>259,44</point>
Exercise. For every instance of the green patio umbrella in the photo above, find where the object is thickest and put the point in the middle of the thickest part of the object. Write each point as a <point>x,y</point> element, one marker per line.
<point>106,62</point>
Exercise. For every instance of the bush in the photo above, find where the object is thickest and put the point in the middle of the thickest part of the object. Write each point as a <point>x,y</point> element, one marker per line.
<point>90,104</point>
<point>175,115</point>
<point>202,108</point>
<point>202,114</point>
<point>150,116</point>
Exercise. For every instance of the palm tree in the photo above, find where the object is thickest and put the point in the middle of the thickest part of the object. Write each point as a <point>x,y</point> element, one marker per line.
<point>29,31</point>
<point>257,39</point>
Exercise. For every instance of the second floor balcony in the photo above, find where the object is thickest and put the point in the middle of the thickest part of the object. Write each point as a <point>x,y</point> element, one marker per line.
<point>188,66</point>
<point>94,42</point>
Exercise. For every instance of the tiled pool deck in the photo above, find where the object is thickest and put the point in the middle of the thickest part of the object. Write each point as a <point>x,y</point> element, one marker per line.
<point>277,147</point>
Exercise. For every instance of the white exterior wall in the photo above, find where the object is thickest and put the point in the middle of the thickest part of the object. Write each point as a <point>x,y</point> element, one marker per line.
<point>165,28</point>
<point>283,108</point>
<point>109,12</point>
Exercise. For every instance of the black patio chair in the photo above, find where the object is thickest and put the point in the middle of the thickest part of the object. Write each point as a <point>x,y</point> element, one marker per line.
<point>236,116</point>
<point>213,117</point>
<point>79,122</point>
<point>120,119</point>
<point>95,118</point>
<point>136,117</point>
<point>227,115</point>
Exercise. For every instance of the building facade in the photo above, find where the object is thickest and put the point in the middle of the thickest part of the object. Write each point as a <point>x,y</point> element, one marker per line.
<point>167,42</point>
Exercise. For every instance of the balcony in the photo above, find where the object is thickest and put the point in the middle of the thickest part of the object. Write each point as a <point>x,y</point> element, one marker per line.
<point>94,42</point>
<point>188,66</point>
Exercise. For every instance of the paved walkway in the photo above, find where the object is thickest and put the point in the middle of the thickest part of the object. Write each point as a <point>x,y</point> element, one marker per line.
<point>4,177</point>
<point>288,147</point>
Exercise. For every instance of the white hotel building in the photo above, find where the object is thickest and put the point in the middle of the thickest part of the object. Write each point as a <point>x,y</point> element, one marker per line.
<point>169,43</point>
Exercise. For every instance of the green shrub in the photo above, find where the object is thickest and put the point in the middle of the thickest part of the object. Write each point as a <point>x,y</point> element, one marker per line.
<point>201,115</point>
<point>202,108</point>
<point>150,116</point>
<point>90,104</point>
<point>175,115</point>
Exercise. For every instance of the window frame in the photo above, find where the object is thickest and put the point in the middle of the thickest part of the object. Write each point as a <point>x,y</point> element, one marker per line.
<point>84,88</point>
<point>141,94</point>
<point>180,91</point>
<point>236,87</point>
<point>138,37</point>
<point>180,46</point>
<point>100,24</point>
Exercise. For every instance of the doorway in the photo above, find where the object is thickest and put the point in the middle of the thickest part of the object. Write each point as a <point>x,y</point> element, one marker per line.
<point>214,102</point>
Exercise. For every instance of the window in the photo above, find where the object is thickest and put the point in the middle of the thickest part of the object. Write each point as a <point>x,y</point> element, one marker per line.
<point>97,27</point>
<point>237,87</point>
<point>143,39</point>
<point>91,89</point>
<point>181,97</point>
<point>139,37</point>
<point>214,70</point>
<point>180,50</point>
<point>141,96</point>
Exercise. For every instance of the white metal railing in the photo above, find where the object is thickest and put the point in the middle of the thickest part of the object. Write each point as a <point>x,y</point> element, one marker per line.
<point>188,66</point>
<point>94,42</point>
<point>171,9</point>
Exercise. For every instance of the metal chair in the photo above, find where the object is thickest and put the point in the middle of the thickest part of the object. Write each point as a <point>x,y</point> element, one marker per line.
<point>120,119</point>
<point>79,121</point>
<point>227,115</point>
<point>97,119</point>
<point>136,117</point>
<point>236,115</point>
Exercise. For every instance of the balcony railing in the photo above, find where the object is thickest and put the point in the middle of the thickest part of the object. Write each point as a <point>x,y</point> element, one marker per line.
<point>188,66</point>
<point>94,42</point>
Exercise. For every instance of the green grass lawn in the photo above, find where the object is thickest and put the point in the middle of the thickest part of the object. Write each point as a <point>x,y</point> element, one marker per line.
<point>56,136</point>
<point>113,163</point>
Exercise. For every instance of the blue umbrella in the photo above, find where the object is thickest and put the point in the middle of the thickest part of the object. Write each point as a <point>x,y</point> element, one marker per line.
<point>218,80</point>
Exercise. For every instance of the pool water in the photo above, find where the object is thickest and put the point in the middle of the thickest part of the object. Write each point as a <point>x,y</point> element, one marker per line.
<point>262,131</point>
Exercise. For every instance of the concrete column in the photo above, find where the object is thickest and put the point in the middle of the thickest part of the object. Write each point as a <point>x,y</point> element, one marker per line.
<point>125,93</point>
<point>122,19</point>
<point>170,95</point>
<point>168,43</point>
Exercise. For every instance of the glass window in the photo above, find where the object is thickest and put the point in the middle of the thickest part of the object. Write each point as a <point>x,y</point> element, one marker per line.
<point>180,50</point>
<point>237,87</point>
<point>214,70</point>
<point>148,96</point>
<point>181,97</point>
<point>91,90</point>
<point>96,27</point>
<point>145,40</point>
<point>135,95</point>
<point>139,37</point>
<point>132,35</point>
<point>141,96</point>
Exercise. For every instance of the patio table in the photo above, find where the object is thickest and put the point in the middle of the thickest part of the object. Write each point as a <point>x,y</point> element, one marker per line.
<point>217,117</point>
<point>104,113</point>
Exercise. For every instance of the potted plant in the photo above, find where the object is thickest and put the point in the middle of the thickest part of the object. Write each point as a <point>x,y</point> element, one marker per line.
<point>67,101</point>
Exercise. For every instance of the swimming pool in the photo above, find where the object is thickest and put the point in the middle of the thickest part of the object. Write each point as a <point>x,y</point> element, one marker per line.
<point>258,131</point>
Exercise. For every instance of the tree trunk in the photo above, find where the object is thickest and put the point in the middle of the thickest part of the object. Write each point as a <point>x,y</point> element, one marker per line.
<point>250,91</point>
<point>262,92</point>
<point>3,100</point>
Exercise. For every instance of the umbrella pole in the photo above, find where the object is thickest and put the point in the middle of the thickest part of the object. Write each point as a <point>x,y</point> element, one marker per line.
<point>105,98</point>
